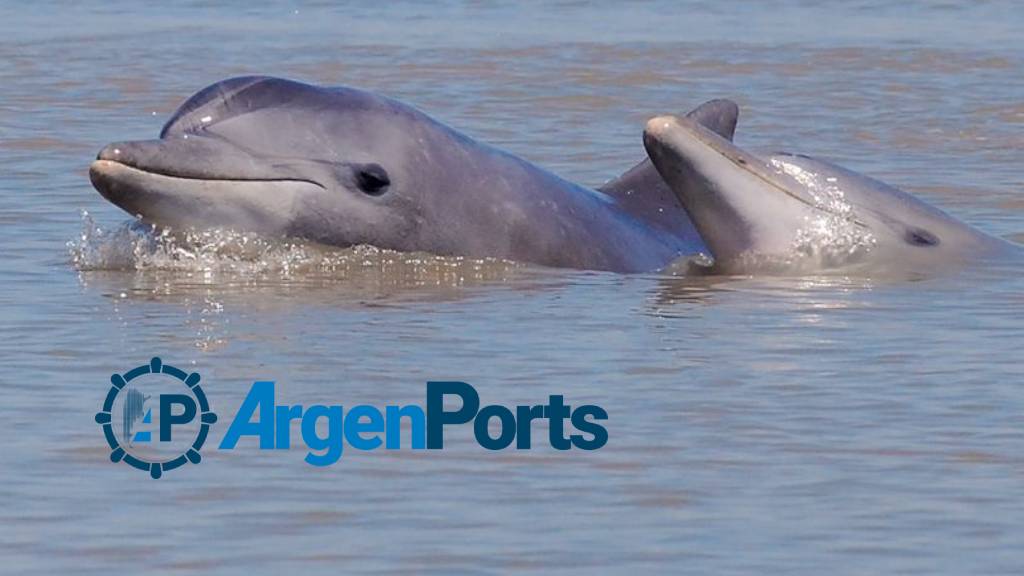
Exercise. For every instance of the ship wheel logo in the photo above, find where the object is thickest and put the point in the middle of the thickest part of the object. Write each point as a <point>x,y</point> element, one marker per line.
<point>156,418</point>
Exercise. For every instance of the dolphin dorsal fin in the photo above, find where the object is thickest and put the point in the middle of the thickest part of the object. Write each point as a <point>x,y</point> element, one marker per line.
<point>718,115</point>
<point>641,190</point>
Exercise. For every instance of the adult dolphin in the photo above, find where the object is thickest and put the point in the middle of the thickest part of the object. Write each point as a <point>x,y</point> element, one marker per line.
<point>783,213</point>
<point>343,166</point>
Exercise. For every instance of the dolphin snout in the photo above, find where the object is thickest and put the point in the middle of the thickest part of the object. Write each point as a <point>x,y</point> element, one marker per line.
<point>660,135</point>
<point>656,132</point>
<point>110,152</point>
<point>149,155</point>
<point>674,132</point>
<point>196,158</point>
<point>670,136</point>
<point>658,126</point>
<point>116,182</point>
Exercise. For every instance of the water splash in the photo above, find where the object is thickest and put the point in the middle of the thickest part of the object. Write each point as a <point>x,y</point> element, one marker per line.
<point>224,254</point>
<point>139,246</point>
<point>831,237</point>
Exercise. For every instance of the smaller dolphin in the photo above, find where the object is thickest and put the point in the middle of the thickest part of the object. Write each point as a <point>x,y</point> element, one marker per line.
<point>788,213</point>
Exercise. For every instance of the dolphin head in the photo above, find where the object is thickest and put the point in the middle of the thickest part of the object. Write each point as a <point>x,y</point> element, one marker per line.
<point>278,157</point>
<point>786,212</point>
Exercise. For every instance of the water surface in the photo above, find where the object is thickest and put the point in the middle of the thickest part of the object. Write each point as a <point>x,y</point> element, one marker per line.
<point>757,425</point>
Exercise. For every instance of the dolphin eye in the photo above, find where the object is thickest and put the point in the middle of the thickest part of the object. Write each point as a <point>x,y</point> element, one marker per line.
<point>920,237</point>
<point>372,179</point>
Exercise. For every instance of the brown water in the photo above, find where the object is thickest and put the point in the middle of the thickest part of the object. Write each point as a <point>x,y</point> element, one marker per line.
<point>756,425</point>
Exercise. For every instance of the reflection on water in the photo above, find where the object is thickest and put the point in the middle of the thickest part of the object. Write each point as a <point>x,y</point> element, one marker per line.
<point>164,263</point>
<point>757,425</point>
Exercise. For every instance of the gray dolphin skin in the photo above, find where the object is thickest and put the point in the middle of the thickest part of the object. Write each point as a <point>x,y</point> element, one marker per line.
<point>344,167</point>
<point>786,213</point>
<point>643,191</point>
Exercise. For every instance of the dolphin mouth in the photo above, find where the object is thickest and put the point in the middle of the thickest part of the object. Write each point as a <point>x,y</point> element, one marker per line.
<point>259,205</point>
<point>104,166</point>
<point>157,157</point>
<point>135,189</point>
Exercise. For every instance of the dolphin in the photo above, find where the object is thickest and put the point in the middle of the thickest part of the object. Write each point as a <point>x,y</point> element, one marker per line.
<point>641,189</point>
<point>791,213</point>
<point>343,166</point>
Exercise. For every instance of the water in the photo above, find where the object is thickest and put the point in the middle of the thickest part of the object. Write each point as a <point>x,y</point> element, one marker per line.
<point>757,425</point>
